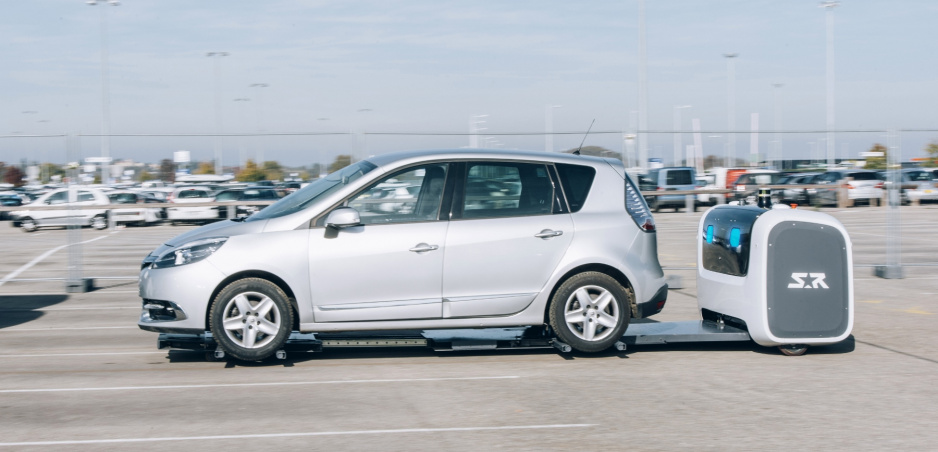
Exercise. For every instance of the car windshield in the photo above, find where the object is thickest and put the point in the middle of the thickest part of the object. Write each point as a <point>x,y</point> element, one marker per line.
<point>228,196</point>
<point>919,176</point>
<point>316,190</point>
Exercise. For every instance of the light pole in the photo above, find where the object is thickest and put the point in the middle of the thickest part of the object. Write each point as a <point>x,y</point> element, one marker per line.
<point>549,127</point>
<point>474,129</point>
<point>32,112</point>
<point>829,8</point>
<point>360,143</point>
<point>260,121</point>
<point>642,90</point>
<point>242,155</point>
<point>677,133</point>
<point>777,118</point>
<point>44,167</point>
<point>730,108</point>
<point>216,57</point>
<point>105,92</point>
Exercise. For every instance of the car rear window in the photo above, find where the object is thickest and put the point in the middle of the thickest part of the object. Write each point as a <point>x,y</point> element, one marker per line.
<point>863,176</point>
<point>576,181</point>
<point>193,194</point>
<point>228,196</point>
<point>679,177</point>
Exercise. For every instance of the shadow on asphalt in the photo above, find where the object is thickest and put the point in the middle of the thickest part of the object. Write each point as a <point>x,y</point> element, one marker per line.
<point>20,309</point>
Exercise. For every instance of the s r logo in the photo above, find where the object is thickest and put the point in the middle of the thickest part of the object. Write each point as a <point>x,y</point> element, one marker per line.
<point>817,283</point>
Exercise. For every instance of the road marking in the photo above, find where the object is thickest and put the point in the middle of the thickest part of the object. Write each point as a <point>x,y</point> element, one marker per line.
<point>59,355</point>
<point>239,385</point>
<point>916,311</point>
<point>871,301</point>
<point>41,257</point>
<point>68,329</point>
<point>300,434</point>
<point>86,308</point>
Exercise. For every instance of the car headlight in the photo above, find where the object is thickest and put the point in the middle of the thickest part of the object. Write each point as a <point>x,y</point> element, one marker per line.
<point>188,253</point>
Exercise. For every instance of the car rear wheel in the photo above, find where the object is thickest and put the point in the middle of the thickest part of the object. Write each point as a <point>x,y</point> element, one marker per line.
<point>28,224</point>
<point>251,319</point>
<point>590,311</point>
<point>99,222</point>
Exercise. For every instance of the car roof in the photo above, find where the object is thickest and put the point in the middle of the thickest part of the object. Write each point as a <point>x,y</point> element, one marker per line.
<point>500,154</point>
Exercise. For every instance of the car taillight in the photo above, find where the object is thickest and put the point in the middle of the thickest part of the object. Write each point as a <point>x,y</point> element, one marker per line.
<point>848,186</point>
<point>879,185</point>
<point>637,208</point>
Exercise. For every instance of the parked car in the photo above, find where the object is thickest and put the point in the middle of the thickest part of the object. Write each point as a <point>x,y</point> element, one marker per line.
<point>140,214</point>
<point>746,187</point>
<point>672,179</point>
<point>924,185</point>
<point>707,181</point>
<point>246,194</point>
<point>798,194</point>
<point>31,219</point>
<point>918,185</point>
<point>9,199</point>
<point>196,214</point>
<point>575,250</point>
<point>862,185</point>
<point>725,178</point>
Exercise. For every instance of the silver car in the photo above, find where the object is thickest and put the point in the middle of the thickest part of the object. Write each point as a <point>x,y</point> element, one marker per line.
<point>483,239</point>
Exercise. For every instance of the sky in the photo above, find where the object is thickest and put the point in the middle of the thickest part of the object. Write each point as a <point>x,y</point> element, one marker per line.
<point>369,77</point>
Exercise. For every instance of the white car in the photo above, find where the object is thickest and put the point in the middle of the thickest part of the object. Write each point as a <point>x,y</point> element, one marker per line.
<point>139,214</point>
<point>570,246</point>
<point>31,219</point>
<point>197,214</point>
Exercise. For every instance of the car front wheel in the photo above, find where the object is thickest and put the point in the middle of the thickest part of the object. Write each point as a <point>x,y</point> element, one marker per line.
<point>590,311</point>
<point>99,222</point>
<point>251,319</point>
<point>28,224</point>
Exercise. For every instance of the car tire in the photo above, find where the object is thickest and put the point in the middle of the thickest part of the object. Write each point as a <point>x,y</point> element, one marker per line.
<point>99,222</point>
<point>597,325</point>
<point>27,224</point>
<point>251,319</point>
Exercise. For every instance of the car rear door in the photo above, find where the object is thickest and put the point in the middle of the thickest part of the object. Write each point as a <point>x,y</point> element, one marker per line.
<point>508,234</point>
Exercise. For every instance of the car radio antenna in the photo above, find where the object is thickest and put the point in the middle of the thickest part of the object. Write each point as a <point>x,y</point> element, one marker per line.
<point>577,151</point>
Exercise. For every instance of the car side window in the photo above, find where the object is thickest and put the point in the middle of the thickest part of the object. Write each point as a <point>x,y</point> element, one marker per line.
<point>57,198</point>
<point>577,181</point>
<point>85,196</point>
<point>414,194</point>
<point>506,190</point>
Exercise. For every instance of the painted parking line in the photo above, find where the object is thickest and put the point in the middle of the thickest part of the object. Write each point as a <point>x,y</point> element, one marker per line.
<point>60,355</point>
<point>83,308</point>
<point>300,434</point>
<point>42,256</point>
<point>242,385</point>
<point>13,330</point>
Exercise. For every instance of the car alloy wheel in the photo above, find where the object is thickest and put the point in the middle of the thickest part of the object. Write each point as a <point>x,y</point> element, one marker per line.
<point>28,224</point>
<point>251,319</point>
<point>590,311</point>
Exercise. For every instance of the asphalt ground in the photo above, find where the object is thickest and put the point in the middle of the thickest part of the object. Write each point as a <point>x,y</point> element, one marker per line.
<point>77,374</point>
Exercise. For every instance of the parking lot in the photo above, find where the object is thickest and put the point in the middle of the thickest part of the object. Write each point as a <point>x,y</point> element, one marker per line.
<point>77,373</point>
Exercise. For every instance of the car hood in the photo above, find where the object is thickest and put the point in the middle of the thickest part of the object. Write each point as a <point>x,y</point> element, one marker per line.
<point>225,228</point>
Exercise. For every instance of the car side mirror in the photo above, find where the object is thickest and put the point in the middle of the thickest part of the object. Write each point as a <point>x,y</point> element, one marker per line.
<point>343,217</point>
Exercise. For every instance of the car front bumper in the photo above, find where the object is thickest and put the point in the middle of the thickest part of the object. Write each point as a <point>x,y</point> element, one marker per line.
<point>184,294</point>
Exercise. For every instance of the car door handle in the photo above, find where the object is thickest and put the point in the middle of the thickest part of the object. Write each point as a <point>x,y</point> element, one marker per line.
<point>548,233</point>
<point>423,248</point>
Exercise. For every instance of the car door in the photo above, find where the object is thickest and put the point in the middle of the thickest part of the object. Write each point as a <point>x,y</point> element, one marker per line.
<point>390,267</point>
<point>828,195</point>
<point>53,217</point>
<point>508,234</point>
